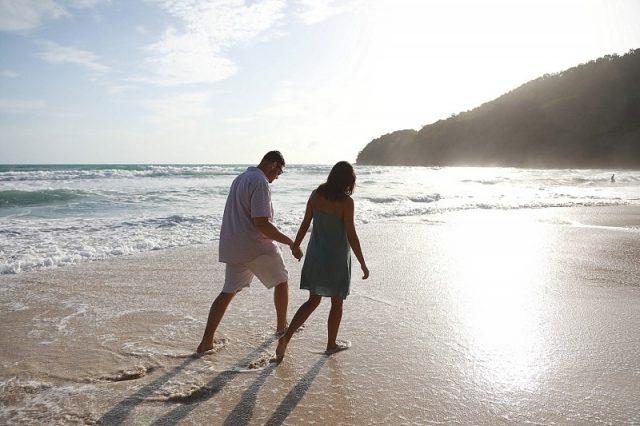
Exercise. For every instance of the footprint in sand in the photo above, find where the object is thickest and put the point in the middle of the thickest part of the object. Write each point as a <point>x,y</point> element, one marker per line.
<point>124,375</point>
<point>261,362</point>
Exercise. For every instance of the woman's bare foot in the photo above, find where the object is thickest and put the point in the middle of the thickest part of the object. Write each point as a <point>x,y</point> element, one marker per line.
<point>204,347</point>
<point>282,347</point>
<point>340,345</point>
<point>280,331</point>
<point>216,344</point>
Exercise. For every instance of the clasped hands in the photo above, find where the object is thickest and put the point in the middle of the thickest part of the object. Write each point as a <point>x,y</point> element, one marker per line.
<point>296,251</point>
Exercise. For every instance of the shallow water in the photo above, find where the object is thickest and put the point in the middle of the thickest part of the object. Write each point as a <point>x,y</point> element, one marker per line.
<point>484,318</point>
<point>59,215</point>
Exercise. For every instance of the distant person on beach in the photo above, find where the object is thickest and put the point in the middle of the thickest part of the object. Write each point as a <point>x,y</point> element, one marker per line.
<point>613,178</point>
<point>327,267</point>
<point>248,244</point>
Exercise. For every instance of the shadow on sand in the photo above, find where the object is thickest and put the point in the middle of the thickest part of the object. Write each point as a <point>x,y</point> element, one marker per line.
<point>295,395</point>
<point>119,413</point>
<point>242,412</point>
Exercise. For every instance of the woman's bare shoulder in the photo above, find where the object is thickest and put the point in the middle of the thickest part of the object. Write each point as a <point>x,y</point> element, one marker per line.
<point>345,207</point>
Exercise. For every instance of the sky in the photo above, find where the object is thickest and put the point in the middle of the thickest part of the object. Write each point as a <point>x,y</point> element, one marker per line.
<point>224,81</point>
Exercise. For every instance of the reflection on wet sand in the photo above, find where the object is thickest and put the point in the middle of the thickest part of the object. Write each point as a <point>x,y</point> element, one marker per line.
<point>496,286</point>
<point>495,318</point>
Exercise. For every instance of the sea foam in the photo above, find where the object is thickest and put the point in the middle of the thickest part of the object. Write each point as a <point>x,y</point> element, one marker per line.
<point>60,215</point>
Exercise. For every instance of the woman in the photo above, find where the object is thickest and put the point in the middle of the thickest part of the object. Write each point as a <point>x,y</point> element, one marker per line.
<point>327,267</point>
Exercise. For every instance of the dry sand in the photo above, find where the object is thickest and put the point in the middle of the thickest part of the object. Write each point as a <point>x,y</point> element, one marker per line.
<point>505,317</point>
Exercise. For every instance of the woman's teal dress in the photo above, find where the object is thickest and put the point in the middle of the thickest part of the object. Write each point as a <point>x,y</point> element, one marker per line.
<point>327,263</point>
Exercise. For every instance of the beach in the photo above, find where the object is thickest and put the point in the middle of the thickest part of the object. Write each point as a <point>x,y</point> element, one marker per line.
<point>474,317</point>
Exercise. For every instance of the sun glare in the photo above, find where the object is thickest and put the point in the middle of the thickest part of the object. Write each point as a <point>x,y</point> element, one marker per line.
<point>435,56</point>
<point>497,307</point>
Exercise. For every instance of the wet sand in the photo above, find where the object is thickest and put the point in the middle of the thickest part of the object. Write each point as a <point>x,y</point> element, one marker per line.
<point>492,317</point>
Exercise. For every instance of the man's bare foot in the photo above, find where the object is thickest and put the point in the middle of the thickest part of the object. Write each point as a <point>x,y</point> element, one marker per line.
<point>341,345</point>
<point>282,347</point>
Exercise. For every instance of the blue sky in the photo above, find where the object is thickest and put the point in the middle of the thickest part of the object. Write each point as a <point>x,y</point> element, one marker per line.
<point>223,81</point>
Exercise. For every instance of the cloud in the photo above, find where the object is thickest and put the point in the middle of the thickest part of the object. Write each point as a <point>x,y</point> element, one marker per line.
<point>238,120</point>
<point>140,29</point>
<point>119,89</point>
<point>183,110</point>
<point>26,15</point>
<point>9,74</point>
<point>288,101</point>
<point>188,58</point>
<point>19,106</point>
<point>314,11</point>
<point>307,100</point>
<point>196,52</point>
<point>86,4</point>
<point>58,54</point>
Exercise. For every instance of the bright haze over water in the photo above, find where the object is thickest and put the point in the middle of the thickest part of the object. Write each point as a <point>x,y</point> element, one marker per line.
<point>58,215</point>
<point>122,82</point>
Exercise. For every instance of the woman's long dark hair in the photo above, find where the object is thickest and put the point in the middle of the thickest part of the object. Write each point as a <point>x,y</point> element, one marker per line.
<point>340,183</point>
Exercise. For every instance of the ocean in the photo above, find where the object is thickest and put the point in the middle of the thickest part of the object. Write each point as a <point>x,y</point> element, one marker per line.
<point>56,215</point>
<point>483,306</point>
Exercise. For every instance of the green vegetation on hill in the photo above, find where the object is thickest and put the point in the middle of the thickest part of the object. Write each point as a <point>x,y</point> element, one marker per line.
<point>587,116</point>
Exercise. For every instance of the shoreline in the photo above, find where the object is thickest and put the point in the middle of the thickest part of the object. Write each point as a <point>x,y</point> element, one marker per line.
<point>484,317</point>
<point>623,216</point>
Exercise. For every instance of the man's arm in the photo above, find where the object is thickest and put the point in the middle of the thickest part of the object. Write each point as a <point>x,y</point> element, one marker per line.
<point>270,231</point>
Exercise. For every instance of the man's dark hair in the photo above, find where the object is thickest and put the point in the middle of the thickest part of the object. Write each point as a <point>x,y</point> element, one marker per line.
<point>273,156</point>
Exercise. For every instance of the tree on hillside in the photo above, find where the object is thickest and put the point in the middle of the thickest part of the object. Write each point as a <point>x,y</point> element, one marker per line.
<point>586,116</point>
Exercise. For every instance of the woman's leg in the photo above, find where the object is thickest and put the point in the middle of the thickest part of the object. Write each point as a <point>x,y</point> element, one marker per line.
<point>333,323</point>
<point>298,319</point>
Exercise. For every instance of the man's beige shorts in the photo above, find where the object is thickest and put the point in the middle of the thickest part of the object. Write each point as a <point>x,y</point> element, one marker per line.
<point>269,268</point>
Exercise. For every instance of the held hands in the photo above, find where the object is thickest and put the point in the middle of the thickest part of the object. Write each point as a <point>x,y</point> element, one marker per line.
<point>296,251</point>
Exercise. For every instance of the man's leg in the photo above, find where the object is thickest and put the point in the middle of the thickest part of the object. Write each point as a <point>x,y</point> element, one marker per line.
<point>281,302</point>
<point>218,308</point>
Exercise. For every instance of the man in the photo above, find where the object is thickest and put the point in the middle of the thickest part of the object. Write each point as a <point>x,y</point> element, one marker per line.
<point>248,244</point>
